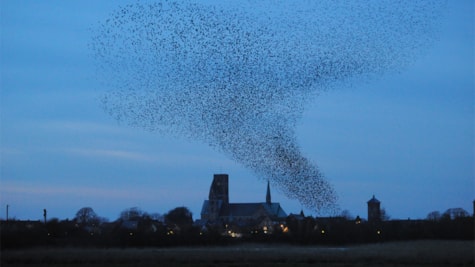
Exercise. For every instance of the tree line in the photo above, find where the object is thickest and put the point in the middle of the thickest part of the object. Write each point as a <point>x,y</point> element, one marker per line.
<point>136,228</point>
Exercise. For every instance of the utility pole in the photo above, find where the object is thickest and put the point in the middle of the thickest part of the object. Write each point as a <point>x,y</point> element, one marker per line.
<point>44,214</point>
<point>7,211</point>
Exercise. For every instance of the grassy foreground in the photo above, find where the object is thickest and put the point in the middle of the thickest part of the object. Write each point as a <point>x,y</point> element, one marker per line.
<point>411,253</point>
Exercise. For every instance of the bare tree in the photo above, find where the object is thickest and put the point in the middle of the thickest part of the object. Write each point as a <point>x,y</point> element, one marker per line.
<point>434,216</point>
<point>455,213</point>
<point>384,215</point>
<point>132,214</point>
<point>347,215</point>
<point>86,216</point>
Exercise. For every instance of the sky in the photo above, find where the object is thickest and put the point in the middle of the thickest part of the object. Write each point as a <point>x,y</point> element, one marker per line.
<point>406,137</point>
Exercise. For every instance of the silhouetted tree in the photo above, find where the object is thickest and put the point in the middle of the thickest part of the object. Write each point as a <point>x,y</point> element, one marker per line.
<point>455,213</point>
<point>157,217</point>
<point>133,214</point>
<point>87,216</point>
<point>384,215</point>
<point>180,217</point>
<point>434,216</point>
<point>346,214</point>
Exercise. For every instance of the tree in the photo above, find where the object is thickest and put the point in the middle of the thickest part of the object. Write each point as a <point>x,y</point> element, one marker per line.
<point>157,217</point>
<point>87,216</point>
<point>384,215</point>
<point>132,214</point>
<point>180,217</point>
<point>346,214</point>
<point>434,216</point>
<point>455,213</point>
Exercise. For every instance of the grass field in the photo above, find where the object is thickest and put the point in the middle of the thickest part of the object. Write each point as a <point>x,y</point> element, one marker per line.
<point>413,253</point>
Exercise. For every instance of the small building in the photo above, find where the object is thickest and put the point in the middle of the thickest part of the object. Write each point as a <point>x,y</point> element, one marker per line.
<point>217,209</point>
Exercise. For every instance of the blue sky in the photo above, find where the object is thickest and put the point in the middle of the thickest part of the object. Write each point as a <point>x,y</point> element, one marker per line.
<point>407,137</point>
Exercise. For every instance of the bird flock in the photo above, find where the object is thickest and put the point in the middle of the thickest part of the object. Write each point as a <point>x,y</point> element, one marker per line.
<point>237,75</point>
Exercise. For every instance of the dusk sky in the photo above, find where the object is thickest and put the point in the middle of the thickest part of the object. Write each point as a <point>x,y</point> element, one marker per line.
<point>406,136</point>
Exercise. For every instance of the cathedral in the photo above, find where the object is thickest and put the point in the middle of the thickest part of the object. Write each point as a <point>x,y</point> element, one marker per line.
<point>217,208</point>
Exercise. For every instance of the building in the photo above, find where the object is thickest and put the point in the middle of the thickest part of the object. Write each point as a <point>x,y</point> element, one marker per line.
<point>374,210</point>
<point>218,210</point>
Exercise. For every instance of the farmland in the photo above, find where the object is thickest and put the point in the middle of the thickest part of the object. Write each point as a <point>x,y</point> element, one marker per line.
<point>409,253</point>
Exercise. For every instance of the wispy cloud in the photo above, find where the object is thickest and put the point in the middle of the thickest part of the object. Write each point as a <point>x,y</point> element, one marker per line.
<point>80,126</point>
<point>29,198</point>
<point>7,151</point>
<point>160,151</point>
<point>111,153</point>
<point>159,157</point>
<point>59,191</point>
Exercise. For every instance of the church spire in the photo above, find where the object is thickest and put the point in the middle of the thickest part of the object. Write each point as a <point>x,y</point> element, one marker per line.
<point>268,200</point>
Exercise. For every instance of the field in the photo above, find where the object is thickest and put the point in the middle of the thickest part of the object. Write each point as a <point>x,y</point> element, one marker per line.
<point>412,253</point>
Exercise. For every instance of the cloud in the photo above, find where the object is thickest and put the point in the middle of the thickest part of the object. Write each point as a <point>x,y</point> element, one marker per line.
<point>79,126</point>
<point>63,199</point>
<point>174,159</point>
<point>7,151</point>
<point>111,153</point>
<point>60,191</point>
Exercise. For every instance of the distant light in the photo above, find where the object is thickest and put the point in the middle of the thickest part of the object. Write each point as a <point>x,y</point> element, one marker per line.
<point>378,232</point>
<point>323,231</point>
<point>265,229</point>
<point>131,233</point>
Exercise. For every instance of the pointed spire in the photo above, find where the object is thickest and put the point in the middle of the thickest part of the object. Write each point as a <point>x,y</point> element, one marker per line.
<point>268,200</point>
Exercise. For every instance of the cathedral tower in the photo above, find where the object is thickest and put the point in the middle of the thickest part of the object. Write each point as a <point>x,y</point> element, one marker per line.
<point>219,190</point>
<point>218,197</point>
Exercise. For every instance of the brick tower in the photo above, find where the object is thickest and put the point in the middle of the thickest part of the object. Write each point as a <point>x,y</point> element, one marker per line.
<point>374,211</point>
